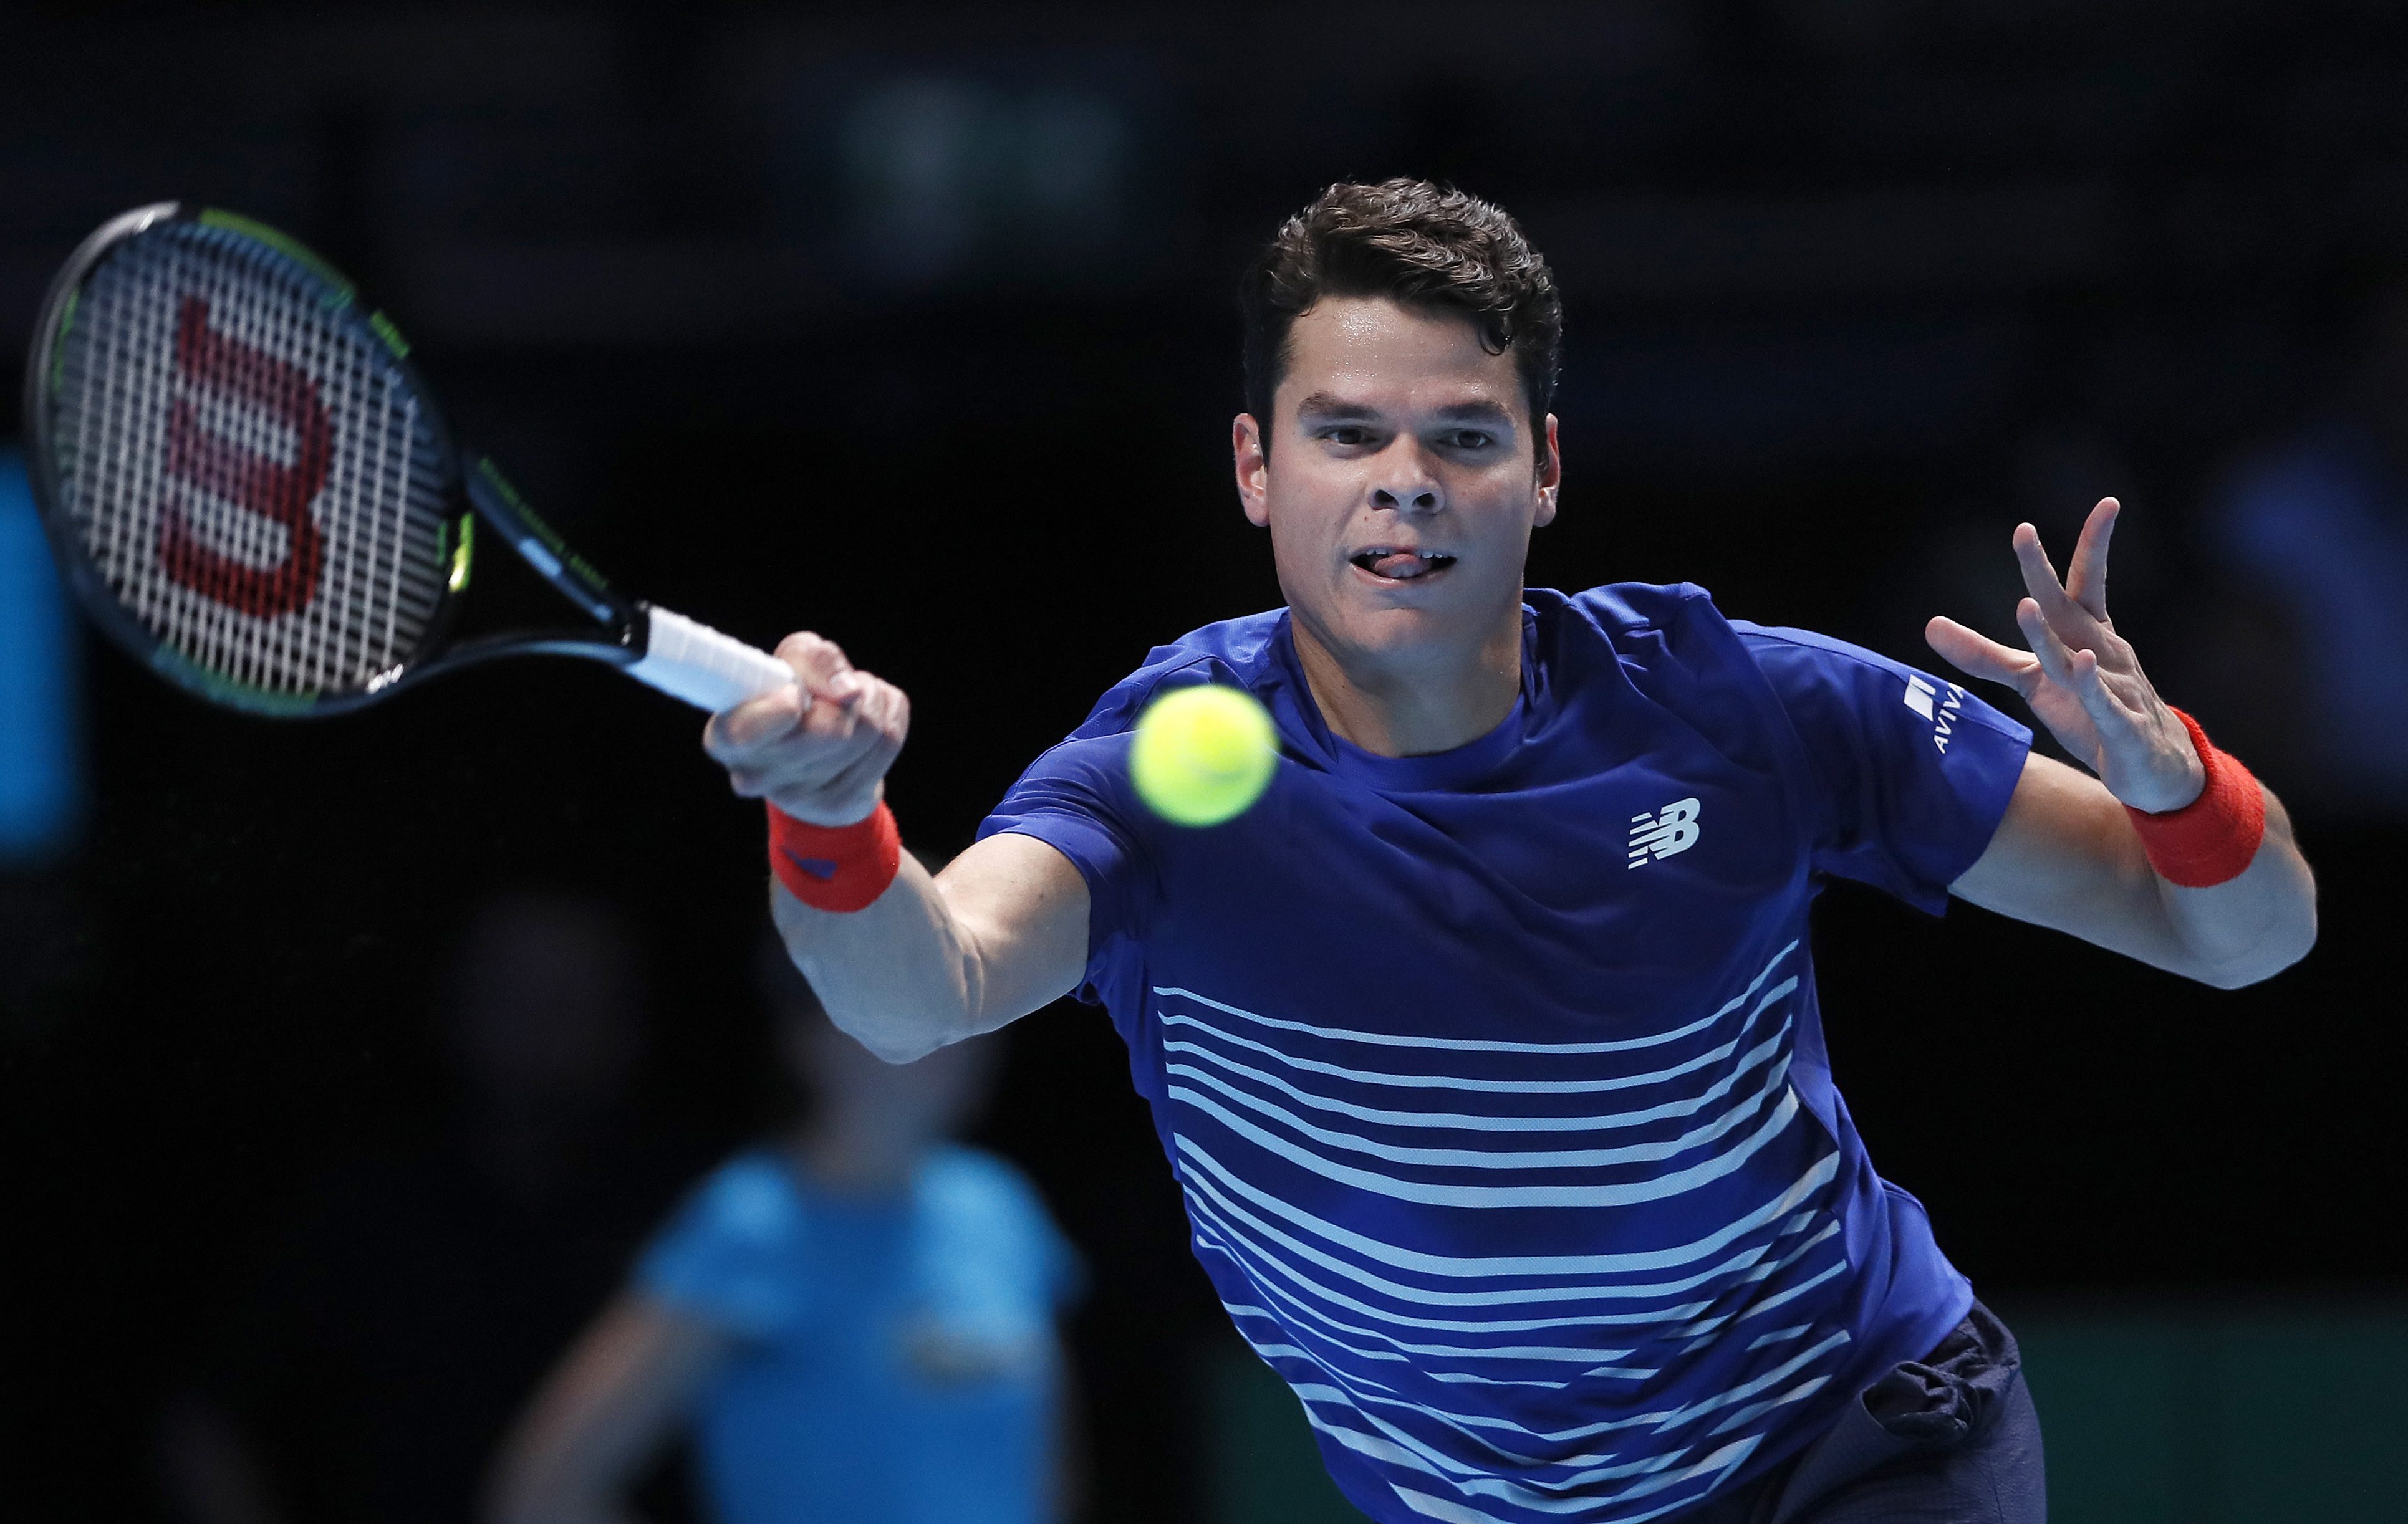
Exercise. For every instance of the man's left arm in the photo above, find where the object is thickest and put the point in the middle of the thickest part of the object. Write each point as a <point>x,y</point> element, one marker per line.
<point>2069,853</point>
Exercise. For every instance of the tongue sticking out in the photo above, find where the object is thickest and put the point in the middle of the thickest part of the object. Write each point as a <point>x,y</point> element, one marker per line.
<point>1402,565</point>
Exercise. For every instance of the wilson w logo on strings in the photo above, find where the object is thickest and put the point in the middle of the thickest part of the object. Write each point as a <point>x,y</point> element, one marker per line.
<point>263,586</point>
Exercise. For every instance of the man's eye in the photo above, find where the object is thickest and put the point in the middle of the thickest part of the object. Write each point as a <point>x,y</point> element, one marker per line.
<point>1470,439</point>
<point>1347,433</point>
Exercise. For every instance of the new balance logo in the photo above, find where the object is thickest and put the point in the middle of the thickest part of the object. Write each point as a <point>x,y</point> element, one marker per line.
<point>1669,830</point>
<point>1941,709</point>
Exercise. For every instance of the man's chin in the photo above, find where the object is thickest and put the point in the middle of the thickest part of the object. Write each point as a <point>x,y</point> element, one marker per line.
<point>1397,634</point>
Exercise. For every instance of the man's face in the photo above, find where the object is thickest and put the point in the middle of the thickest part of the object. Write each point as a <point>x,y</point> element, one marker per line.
<point>1402,482</point>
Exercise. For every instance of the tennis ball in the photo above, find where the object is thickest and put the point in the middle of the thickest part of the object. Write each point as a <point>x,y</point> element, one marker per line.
<point>1202,754</point>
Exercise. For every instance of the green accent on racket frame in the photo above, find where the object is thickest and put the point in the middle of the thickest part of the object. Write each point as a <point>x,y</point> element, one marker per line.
<point>282,244</point>
<point>383,328</point>
<point>542,534</point>
<point>460,553</point>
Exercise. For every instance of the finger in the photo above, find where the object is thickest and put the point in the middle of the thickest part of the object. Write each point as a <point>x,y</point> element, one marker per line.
<point>866,757</point>
<point>2088,684</point>
<point>830,723</point>
<point>880,735</point>
<point>2086,574</point>
<point>1977,655</point>
<point>2071,623</point>
<point>755,722</point>
<point>884,709</point>
<point>884,713</point>
<point>820,665</point>
<point>2054,656</point>
<point>872,718</point>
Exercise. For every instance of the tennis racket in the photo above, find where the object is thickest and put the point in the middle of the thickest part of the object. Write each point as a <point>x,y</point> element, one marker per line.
<point>252,490</point>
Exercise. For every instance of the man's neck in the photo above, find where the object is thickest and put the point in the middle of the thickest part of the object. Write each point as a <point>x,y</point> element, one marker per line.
<point>1414,707</point>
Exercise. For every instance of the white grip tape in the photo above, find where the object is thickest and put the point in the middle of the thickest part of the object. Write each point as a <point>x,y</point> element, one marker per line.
<point>708,670</point>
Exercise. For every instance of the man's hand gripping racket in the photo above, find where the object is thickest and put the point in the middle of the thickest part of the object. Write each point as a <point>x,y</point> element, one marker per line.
<point>820,750</point>
<point>248,487</point>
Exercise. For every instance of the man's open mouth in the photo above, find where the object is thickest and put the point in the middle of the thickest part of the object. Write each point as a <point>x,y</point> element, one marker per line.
<point>1399,565</point>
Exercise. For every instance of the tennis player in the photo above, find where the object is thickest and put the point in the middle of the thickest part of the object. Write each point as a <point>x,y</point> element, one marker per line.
<point>1486,1047</point>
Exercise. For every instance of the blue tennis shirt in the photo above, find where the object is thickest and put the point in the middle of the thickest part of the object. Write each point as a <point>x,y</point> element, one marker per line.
<point>1495,1080</point>
<point>893,1357</point>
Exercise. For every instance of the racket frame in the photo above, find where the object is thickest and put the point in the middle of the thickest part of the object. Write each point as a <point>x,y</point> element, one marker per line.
<point>621,635</point>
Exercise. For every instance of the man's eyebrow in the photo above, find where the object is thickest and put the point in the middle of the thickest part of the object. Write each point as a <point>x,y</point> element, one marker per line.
<point>1483,409</point>
<point>1329,405</point>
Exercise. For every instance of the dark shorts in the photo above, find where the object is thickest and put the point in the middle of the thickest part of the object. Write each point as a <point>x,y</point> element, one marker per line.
<point>1948,1439</point>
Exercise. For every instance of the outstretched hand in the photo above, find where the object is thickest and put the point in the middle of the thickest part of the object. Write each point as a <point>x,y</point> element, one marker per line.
<point>2080,676</point>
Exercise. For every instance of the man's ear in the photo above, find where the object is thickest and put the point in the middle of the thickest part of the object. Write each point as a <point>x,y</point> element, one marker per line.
<point>1254,469</point>
<point>1550,476</point>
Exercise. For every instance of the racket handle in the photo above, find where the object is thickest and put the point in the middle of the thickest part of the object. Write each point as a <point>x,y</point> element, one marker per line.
<point>696,664</point>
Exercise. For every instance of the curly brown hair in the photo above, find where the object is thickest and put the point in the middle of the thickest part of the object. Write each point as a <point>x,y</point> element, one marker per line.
<point>1423,244</point>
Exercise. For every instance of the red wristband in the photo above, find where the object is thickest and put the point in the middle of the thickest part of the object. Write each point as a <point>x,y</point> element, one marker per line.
<point>2214,838</point>
<point>841,867</point>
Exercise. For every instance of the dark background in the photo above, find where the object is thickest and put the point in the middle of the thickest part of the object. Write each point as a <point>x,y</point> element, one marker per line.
<point>916,328</point>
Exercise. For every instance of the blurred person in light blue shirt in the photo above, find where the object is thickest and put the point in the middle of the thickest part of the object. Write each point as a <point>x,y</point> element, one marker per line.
<point>855,1321</point>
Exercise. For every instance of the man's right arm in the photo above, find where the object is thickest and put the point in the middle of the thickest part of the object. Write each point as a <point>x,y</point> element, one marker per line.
<point>1001,932</point>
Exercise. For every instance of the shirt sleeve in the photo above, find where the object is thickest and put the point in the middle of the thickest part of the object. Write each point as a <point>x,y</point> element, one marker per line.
<point>1908,774</point>
<point>1077,799</point>
<point>729,1256</point>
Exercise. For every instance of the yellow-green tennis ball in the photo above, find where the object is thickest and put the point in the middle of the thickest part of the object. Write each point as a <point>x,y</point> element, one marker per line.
<point>1202,754</point>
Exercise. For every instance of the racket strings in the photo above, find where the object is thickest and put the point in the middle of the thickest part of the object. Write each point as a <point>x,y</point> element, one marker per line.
<point>253,477</point>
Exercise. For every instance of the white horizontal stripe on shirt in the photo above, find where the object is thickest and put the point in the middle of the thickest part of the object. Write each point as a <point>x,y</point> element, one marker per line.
<point>1661,1423</point>
<point>1460,1473</point>
<point>1709,1325</point>
<point>1779,1335</point>
<point>1753,1411</point>
<point>1721,1462</point>
<point>1232,1213</point>
<point>1542,1498</point>
<point>1353,1379</point>
<point>1480,1159</point>
<point>1473,1122</point>
<point>1348,1393</point>
<point>1820,1175</point>
<point>1305,1309</point>
<point>1745,1389</point>
<point>1247,1253</point>
<point>1480,1045</point>
<point>1403,1452</point>
<point>1448,1082</point>
<point>1433,1194</point>
<point>1660,1420</point>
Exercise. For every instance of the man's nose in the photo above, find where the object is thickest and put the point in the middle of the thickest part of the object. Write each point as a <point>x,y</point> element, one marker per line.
<point>1404,481</point>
